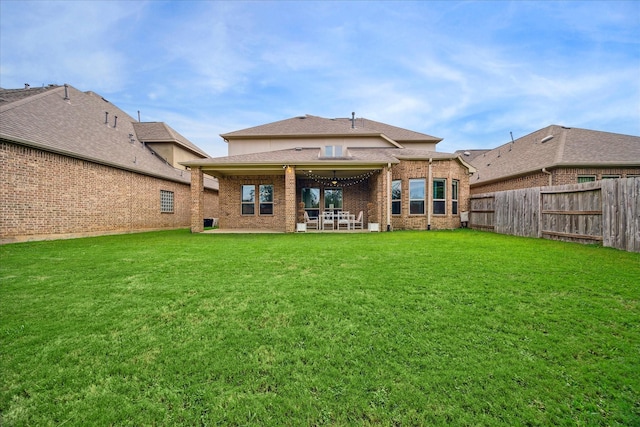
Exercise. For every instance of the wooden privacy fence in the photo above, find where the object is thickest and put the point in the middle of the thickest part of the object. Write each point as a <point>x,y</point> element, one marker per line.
<point>606,212</point>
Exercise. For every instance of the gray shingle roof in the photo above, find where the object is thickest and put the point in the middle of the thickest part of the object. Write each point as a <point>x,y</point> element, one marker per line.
<point>557,146</point>
<point>8,96</point>
<point>309,125</point>
<point>162,132</point>
<point>355,158</point>
<point>76,127</point>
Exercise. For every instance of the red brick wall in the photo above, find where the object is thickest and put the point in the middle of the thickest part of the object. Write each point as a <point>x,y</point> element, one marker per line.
<point>46,195</point>
<point>559,176</point>
<point>231,207</point>
<point>356,197</point>
<point>440,169</point>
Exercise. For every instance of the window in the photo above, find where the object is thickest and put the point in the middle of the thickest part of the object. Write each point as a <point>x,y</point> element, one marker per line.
<point>311,200</point>
<point>396,197</point>
<point>266,200</point>
<point>455,184</point>
<point>248,199</point>
<point>586,178</point>
<point>333,151</point>
<point>166,201</point>
<point>417,197</point>
<point>333,198</point>
<point>439,196</point>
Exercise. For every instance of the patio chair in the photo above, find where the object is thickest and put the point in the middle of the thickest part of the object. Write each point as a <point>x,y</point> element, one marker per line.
<point>327,219</point>
<point>311,222</point>
<point>357,222</point>
<point>343,220</point>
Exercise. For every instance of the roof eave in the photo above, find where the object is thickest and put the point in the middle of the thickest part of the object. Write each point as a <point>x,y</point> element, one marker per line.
<point>605,164</point>
<point>66,153</point>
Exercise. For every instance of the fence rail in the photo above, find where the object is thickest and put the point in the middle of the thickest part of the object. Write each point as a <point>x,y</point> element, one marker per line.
<point>606,211</point>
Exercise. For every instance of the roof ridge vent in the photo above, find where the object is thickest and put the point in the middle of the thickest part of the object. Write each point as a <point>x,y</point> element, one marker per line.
<point>546,139</point>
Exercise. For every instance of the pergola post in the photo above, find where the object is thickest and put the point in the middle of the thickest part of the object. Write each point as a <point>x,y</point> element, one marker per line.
<point>197,200</point>
<point>290,199</point>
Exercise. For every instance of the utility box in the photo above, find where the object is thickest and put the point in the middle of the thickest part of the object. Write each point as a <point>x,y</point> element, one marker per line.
<point>464,219</point>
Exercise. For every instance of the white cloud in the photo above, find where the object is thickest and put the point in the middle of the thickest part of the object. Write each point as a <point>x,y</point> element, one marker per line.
<point>469,72</point>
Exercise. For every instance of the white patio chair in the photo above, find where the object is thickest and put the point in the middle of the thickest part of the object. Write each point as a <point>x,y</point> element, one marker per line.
<point>311,222</point>
<point>343,220</point>
<point>327,220</point>
<point>357,222</point>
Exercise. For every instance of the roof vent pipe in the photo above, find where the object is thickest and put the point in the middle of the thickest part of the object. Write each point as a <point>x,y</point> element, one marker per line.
<point>66,92</point>
<point>353,120</point>
<point>115,121</point>
<point>106,117</point>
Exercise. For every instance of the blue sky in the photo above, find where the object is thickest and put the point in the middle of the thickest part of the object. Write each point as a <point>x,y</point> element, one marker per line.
<point>470,72</point>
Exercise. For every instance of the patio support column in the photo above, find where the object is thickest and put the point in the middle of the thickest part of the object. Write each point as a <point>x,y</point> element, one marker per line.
<point>197,200</point>
<point>388,197</point>
<point>290,199</point>
<point>429,195</point>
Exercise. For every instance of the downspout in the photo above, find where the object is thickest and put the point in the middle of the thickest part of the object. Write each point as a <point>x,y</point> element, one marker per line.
<point>544,170</point>
<point>428,194</point>
<point>388,196</point>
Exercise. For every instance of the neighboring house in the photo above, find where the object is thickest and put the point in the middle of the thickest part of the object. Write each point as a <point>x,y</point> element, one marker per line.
<point>555,155</point>
<point>73,164</point>
<point>276,172</point>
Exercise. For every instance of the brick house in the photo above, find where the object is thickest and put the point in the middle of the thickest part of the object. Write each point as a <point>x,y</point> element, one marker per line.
<point>73,164</point>
<point>554,155</point>
<point>278,171</point>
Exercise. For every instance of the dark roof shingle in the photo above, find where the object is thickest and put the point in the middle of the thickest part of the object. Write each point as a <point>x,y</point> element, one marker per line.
<point>556,146</point>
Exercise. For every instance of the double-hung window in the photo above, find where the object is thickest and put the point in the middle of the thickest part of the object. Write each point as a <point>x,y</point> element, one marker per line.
<point>417,196</point>
<point>439,196</point>
<point>396,197</point>
<point>248,199</point>
<point>266,199</point>
<point>455,185</point>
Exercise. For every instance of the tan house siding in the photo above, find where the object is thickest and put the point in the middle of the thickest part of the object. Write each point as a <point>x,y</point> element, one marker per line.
<point>46,195</point>
<point>559,176</point>
<point>248,146</point>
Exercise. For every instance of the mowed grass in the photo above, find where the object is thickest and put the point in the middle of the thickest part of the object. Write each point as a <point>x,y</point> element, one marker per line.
<point>403,328</point>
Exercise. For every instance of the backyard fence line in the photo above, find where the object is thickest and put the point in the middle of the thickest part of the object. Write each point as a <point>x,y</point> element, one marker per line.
<point>606,211</point>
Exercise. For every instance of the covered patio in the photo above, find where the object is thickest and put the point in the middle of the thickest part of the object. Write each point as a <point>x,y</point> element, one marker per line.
<point>341,195</point>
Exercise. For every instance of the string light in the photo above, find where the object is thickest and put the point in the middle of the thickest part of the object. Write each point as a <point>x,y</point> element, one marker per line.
<point>341,182</point>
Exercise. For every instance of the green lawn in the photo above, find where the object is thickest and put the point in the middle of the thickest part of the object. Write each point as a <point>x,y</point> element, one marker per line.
<point>403,328</point>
